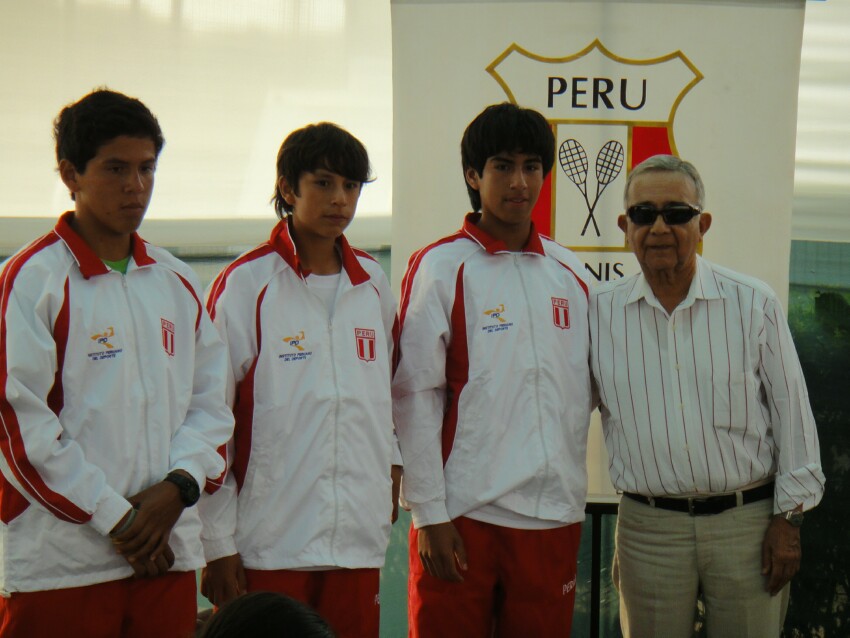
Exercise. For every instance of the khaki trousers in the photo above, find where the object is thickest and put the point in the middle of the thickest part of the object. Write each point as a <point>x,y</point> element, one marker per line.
<point>664,558</point>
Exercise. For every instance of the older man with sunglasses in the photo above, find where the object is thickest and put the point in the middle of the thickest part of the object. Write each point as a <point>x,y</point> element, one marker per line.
<point>707,421</point>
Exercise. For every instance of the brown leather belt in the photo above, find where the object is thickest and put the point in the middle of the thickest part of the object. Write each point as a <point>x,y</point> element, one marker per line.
<point>705,505</point>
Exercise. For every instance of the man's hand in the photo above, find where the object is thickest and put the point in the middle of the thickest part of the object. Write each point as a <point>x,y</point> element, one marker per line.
<point>441,551</point>
<point>159,507</point>
<point>780,554</point>
<point>223,579</point>
<point>396,472</point>
<point>151,569</point>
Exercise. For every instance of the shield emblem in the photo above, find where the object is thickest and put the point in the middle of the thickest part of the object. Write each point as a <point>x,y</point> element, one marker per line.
<point>608,114</point>
<point>365,340</point>
<point>561,312</point>
<point>167,336</point>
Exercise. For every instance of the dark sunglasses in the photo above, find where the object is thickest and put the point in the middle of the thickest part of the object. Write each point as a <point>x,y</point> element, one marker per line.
<point>675,214</point>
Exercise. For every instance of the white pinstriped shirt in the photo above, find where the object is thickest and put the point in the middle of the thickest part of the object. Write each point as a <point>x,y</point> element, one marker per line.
<point>708,399</point>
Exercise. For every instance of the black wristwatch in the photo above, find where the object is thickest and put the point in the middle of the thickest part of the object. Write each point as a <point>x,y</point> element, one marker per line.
<point>189,490</point>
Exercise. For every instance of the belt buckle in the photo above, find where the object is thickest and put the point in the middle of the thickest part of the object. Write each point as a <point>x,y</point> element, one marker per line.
<point>691,502</point>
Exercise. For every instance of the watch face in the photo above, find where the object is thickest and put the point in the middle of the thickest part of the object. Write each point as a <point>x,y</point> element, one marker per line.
<point>189,490</point>
<point>191,493</point>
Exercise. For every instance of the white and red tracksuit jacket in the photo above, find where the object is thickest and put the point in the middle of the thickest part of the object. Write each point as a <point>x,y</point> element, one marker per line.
<point>491,394</point>
<point>107,383</point>
<point>314,441</point>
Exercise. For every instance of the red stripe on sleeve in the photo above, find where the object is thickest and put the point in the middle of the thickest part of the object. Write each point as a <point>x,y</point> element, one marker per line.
<point>194,296</point>
<point>578,279</point>
<point>396,336</point>
<point>56,398</point>
<point>12,502</point>
<point>11,440</point>
<point>407,283</point>
<point>243,409</point>
<point>413,268</point>
<point>457,366</point>
<point>220,282</point>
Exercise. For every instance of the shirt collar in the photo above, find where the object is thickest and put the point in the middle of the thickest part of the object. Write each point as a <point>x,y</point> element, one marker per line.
<point>703,286</point>
<point>90,264</point>
<point>281,241</point>
<point>534,245</point>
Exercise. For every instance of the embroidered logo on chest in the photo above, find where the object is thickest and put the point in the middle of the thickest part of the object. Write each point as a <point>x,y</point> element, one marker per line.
<point>561,312</point>
<point>496,322</point>
<point>167,336</point>
<point>296,348</point>
<point>365,340</point>
<point>105,341</point>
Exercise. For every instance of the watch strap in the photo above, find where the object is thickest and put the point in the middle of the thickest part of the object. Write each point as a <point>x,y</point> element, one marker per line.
<point>189,490</point>
<point>794,517</point>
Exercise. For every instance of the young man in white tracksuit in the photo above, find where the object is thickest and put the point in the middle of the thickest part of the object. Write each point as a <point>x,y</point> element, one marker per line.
<point>306,509</point>
<point>112,410</point>
<point>492,400</point>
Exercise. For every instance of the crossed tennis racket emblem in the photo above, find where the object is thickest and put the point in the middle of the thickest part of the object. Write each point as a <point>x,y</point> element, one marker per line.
<point>609,163</point>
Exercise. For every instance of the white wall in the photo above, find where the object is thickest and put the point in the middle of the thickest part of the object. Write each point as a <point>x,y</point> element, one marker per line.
<point>229,79</point>
<point>822,178</point>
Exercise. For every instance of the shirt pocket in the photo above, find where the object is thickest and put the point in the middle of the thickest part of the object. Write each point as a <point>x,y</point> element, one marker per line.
<point>731,402</point>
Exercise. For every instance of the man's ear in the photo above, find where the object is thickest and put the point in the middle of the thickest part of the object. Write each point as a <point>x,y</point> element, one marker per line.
<point>704,223</point>
<point>622,222</point>
<point>286,191</point>
<point>69,174</point>
<point>472,178</point>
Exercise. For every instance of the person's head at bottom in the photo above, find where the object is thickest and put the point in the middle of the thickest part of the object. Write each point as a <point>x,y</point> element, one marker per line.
<point>266,615</point>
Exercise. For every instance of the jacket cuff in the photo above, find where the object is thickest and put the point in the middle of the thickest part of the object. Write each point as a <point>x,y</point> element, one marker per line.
<point>429,513</point>
<point>194,469</point>
<point>110,510</point>
<point>215,548</point>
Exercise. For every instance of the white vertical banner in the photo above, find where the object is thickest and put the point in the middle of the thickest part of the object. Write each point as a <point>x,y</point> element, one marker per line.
<point>712,82</point>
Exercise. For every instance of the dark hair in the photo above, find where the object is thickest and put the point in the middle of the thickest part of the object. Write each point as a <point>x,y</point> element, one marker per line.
<point>505,128</point>
<point>266,614</point>
<point>83,127</point>
<point>324,145</point>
